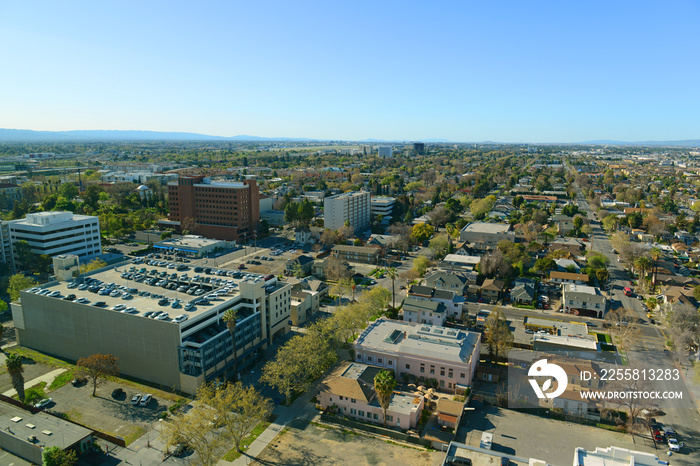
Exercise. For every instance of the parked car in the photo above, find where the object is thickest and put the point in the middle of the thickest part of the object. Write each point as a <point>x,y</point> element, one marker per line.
<point>44,403</point>
<point>674,445</point>
<point>79,381</point>
<point>145,400</point>
<point>135,399</point>
<point>117,392</point>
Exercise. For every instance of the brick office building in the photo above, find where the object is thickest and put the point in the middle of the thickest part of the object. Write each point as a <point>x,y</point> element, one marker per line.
<point>221,210</point>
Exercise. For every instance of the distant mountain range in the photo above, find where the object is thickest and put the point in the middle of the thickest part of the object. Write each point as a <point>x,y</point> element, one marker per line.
<point>27,135</point>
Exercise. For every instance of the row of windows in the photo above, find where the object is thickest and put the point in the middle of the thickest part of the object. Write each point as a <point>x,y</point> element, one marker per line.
<point>449,370</point>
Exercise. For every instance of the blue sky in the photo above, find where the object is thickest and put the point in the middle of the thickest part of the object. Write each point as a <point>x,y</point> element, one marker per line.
<point>510,71</point>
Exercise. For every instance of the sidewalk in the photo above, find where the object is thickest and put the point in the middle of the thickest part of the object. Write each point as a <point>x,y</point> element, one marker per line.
<point>300,409</point>
<point>48,378</point>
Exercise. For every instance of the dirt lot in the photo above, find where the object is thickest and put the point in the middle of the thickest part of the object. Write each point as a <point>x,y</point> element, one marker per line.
<point>313,445</point>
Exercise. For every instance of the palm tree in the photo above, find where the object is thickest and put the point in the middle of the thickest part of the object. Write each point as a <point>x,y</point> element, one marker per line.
<point>230,317</point>
<point>13,363</point>
<point>602,275</point>
<point>642,264</point>
<point>655,254</point>
<point>391,273</point>
<point>384,384</point>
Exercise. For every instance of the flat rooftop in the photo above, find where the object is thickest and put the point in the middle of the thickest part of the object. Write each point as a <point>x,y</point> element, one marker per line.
<point>566,341</point>
<point>49,430</point>
<point>563,327</point>
<point>434,342</point>
<point>484,227</point>
<point>581,289</point>
<point>150,303</point>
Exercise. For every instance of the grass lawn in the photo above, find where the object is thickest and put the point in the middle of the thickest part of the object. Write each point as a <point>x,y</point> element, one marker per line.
<point>255,433</point>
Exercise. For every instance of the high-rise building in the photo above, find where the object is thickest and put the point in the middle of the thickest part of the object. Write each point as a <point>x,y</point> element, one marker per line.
<point>419,148</point>
<point>54,233</point>
<point>353,207</point>
<point>385,151</point>
<point>221,210</point>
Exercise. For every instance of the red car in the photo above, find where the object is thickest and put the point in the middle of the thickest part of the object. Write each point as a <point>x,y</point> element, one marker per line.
<point>658,436</point>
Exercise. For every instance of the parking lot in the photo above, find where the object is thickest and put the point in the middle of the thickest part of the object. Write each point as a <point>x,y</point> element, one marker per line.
<point>530,436</point>
<point>114,415</point>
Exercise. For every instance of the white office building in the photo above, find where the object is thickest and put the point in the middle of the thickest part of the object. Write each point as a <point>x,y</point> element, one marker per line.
<point>5,244</point>
<point>385,151</point>
<point>383,205</point>
<point>353,207</point>
<point>54,233</point>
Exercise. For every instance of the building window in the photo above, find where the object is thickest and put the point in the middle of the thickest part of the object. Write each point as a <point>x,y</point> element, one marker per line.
<point>408,366</point>
<point>389,418</point>
<point>442,383</point>
<point>353,400</point>
<point>353,411</point>
<point>369,415</point>
<point>369,358</point>
<point>360,413</point>
<point>432,370</point>
<point>449,373</point>
<point>462,375</point>
<point>422,367</point>
<point>442,372</point>
<point>376,418</point>
<point>391,363</point>
<point>379,360</point>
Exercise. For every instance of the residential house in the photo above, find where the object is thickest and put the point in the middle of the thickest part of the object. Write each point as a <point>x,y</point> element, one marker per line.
<point>492,289</point>
<point>461,260</point>
<point>303,235</point>
<point>564,223</point>
<point>421,351</point>
<point>567,265</point>
<point>566,277</point>
<point>583,300</point>
<point>455,282</point>
<point>366,254</point>
<point>424,312</point>
<point>454,303</point>
<point>299,266</point>
<point>685,237</point>
<point>306,299</point>
<point>319,268</point>
<point>350,390</point>
<point>523,293</point>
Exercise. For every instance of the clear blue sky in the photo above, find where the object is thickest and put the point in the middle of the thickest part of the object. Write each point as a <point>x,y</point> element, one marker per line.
<point>510,71</point>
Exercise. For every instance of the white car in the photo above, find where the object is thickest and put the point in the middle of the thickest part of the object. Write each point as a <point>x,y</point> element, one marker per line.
<point>674,445</point>
<point>180,318</point>
<point>118,307</point>
<point>163,316</point>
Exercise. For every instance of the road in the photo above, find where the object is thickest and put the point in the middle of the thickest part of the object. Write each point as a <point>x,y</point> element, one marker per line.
<point>650,352</point>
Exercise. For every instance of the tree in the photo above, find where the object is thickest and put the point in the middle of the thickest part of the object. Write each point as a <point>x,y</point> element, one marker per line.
<point>602,275</point>
<point>329,238</point>
<point>421,264</point>
<point>13,364</point>
<point>544,265</point>
<point>494,264</point>
<point>337,269</point>
<point>655,254</point>
<point>384,384</point>
<point>422,232</point>
<point>194,429</point>
<point>439,216</point>
<point>97,368</point>
<point>91,196</point>
<point>499,337</point>
<point>92,265</point>
<point>393,274</point>
<point>642,264</point>
<point>238,409</point>
<point>481,207</point>
<point>17,283</point>
<point>291,212</point>
<point>56,456</point>
<point>623,326</point>
<point>440,245</point>
<point>68,190</point>
<point>305,212</point>
<point>611,223</point>
<point>230,317</point>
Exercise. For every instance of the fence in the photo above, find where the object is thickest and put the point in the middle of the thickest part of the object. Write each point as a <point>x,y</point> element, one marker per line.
<point>376,430</point>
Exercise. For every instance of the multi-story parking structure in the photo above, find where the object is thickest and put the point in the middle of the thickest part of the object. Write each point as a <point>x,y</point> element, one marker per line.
<point>131,313</point>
